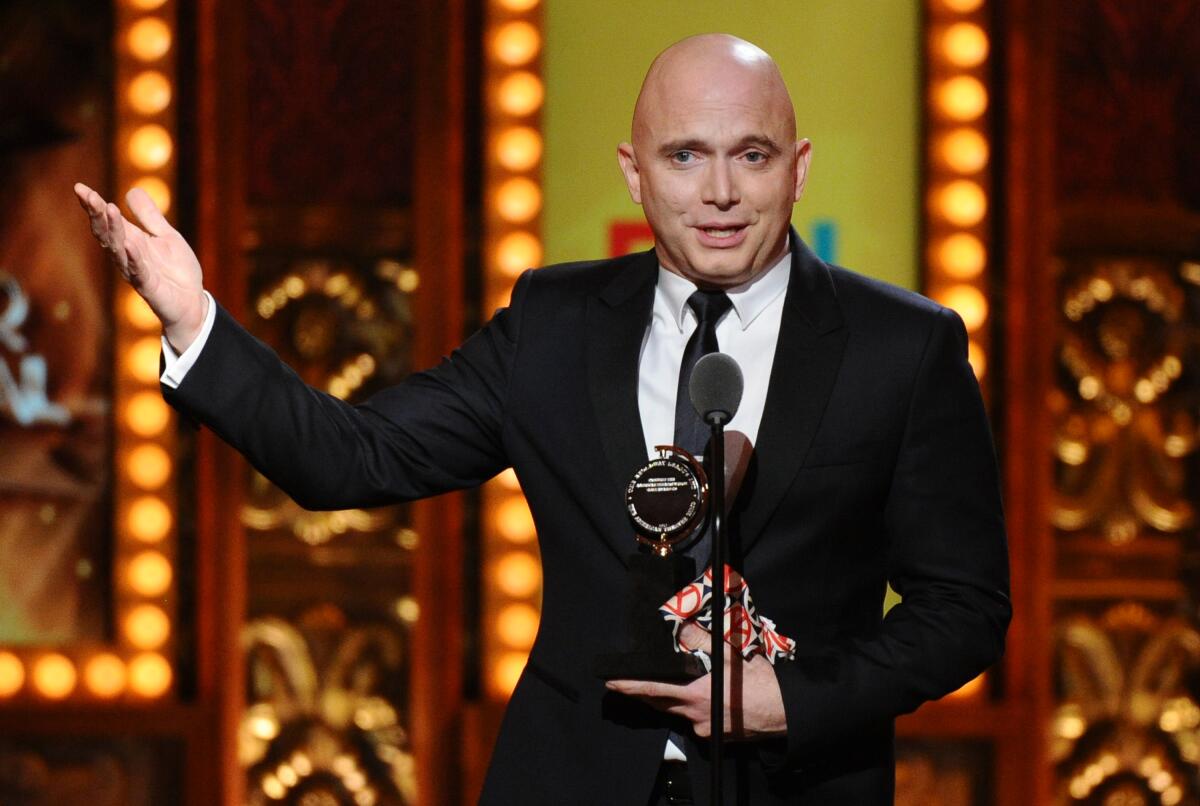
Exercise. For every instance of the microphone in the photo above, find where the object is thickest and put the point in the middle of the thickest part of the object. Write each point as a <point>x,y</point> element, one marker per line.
<point>716,388</point>
<point>716,392</point>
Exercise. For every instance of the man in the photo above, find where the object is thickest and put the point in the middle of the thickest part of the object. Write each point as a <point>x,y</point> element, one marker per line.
<point>872,462</point>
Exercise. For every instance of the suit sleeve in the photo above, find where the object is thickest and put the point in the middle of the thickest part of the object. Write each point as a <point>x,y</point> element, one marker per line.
<point>436,431</point>
<point>947,557</point>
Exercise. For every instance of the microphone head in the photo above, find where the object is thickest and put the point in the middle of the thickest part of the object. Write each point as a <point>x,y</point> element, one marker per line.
<point>716,387</point>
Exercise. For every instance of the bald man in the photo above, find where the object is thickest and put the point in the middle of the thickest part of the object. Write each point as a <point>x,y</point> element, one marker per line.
<point>872,458</point>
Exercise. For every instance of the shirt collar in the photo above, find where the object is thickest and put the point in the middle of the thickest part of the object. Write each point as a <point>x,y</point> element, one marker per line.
<point>749,299</point>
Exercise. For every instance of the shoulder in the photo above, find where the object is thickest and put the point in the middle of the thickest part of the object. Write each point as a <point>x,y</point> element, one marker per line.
<point>565,287</point>
<point>858,292</point>
<point>869,304</point>
<point>585,277</point>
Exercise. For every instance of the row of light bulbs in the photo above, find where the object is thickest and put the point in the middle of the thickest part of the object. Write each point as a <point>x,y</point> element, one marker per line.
<point>957,185</point>
<point>146,530</point>
<point>514,194</point>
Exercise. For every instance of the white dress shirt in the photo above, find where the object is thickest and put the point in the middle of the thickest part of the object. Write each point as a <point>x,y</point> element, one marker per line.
<point>747,334</point>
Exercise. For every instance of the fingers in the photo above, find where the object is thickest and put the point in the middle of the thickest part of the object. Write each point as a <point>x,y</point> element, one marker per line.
<point>96,208</point>
<point>147,212</point>
<point>84,194</point>
<point>648,688</point>
<point>692,637</point>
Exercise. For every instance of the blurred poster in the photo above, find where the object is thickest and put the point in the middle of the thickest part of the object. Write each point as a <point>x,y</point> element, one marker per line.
<point>56,437</point>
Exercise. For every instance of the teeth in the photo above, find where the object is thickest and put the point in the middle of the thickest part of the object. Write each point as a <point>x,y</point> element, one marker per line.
<point>720,233</point>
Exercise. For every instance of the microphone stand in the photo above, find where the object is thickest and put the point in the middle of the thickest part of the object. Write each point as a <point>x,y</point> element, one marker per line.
<point>716,420</point>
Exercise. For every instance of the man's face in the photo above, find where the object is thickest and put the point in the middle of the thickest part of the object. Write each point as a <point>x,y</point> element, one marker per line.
<point>716,168</point>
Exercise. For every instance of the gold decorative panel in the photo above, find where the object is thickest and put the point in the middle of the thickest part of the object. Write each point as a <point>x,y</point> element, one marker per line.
<point>1127,726</point>
<point>327,717</point>
<point>324,727</point>
<point>1125,427</point>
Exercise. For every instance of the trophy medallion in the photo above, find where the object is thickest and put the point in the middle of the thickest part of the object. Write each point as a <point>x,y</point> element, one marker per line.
<point>667,501</point>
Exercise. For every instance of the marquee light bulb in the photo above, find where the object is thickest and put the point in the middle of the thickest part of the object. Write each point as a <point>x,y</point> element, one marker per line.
<point>149,39</point>
<point>507,671</point>
<point>514,521</point>
<point>521,93</point>
<point>961,255</point>
<point>965,44</point>
<point>104,675</point>
<point>969,302</point>
<point>149,675</point>
<point>54,676</point>
<point>150,147</point>
<point>147,626</point>
<point>12,674</point>
<point>964,150</point>
<point>147,414</point>
<point>518,148</point>
<point>149,519</point>
<point>518,200</point>
<point>518,251</point>
<point>515,43</point>
<point>518,574</point>
<point>149,574</point>
<point>149,92</point>
<point>963,98</point>
<point>148,466</point>
<point>962,203</point>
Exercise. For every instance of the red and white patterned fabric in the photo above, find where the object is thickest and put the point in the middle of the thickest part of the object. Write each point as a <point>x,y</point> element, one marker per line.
<point>747,630</point>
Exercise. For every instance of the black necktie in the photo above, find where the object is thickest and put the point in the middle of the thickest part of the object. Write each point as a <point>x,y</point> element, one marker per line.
<point>691,432</point>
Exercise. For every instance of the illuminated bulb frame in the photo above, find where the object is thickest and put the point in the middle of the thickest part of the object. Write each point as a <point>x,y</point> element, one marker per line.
<point>118,667</point>
<point>939,282</point>
<point>949,180</point>
<point>130,331</point>
<point>502,662</point>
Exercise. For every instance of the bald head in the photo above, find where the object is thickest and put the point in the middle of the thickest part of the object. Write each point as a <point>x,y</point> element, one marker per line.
<point>714,160</point>
<point>712,68</point>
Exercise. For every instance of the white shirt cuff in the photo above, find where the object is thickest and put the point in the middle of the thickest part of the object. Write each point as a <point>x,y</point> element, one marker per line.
<point>177,366</point>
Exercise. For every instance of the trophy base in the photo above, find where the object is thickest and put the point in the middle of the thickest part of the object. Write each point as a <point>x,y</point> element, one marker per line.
<point>675,667</point>
<point>649,652</point>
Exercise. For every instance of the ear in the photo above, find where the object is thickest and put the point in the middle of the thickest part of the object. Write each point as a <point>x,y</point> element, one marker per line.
<point>803,157</point>
<point>629,167</point>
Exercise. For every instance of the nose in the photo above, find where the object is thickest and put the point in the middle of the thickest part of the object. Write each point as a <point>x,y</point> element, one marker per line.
<point>720,185</point>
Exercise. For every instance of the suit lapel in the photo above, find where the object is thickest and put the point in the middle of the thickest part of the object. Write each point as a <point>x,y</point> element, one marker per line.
<point>616,325</point>
<point>807,357</point>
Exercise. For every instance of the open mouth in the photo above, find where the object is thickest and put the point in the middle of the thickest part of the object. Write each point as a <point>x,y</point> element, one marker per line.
<point>728,235</point>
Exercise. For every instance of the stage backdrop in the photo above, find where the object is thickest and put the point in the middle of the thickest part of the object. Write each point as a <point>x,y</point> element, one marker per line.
<point>852,67</point>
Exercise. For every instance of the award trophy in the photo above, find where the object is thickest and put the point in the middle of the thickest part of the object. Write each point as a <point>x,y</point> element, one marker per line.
<point>667,501</point>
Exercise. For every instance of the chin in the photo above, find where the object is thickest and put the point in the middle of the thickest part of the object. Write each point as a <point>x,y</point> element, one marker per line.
<point>727,268</point>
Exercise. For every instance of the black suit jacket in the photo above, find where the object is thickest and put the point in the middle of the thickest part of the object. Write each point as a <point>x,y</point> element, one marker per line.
<point>874,463</point>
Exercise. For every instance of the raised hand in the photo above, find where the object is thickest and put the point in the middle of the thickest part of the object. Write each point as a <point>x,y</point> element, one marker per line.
<point>154,259</point>
<point>753,701</point>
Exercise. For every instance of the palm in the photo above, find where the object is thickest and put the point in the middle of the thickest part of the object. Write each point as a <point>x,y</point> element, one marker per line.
<point>154,258</point>
<point>168,276</point>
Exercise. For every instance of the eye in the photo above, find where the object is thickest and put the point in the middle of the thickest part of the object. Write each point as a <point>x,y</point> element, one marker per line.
<point>755,157</point>
<point>683,157</point>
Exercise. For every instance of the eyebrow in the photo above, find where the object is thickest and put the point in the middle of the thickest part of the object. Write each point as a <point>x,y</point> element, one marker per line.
<point>694,144</point>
